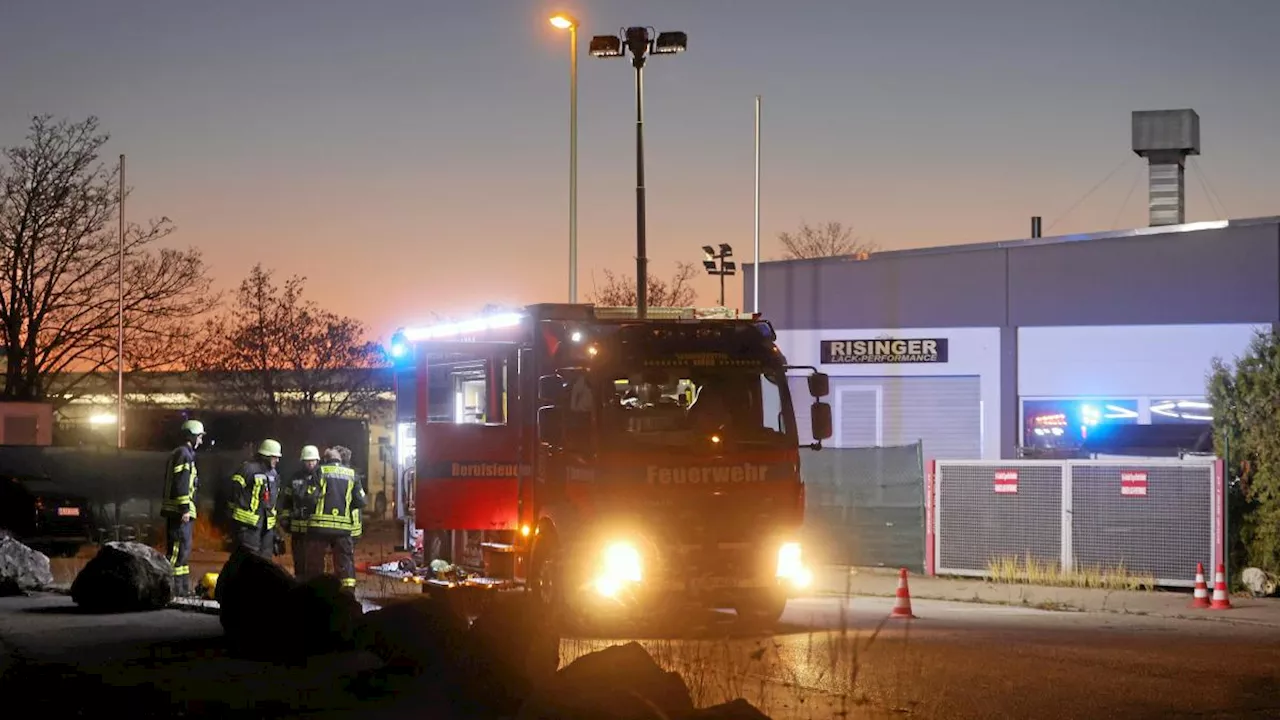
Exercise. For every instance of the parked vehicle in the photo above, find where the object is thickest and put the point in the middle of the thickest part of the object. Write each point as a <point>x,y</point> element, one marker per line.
<point>43,516</point>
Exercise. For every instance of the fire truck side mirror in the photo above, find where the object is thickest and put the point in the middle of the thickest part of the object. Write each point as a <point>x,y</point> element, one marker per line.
<point>819,385</point>
<point>820,420</point>
<point>550,428</point>
<point>551,389</point>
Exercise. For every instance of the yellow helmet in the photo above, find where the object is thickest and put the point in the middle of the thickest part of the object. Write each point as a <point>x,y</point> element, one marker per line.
<point>310,452</point>
<point>193,427</point>
<point>269,448</point>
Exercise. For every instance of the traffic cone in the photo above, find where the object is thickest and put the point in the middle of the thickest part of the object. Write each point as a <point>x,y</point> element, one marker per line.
<point>1201,596</point>
<point>902,607</point>
<point>1220,600</point>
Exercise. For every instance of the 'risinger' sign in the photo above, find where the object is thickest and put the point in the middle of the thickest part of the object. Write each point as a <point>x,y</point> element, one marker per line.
<point>1133,483</point>
<point>1006,481</point>
<point>884,350</point>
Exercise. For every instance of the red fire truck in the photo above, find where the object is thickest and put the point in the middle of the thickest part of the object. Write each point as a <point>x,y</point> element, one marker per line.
<point>612,464</point>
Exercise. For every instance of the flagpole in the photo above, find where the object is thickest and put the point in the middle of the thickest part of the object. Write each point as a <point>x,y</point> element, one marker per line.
<point>120,319</point>
<point>755,270</point>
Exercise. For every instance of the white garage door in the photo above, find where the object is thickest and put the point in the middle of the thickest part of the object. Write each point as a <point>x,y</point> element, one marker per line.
<point>945,413</point>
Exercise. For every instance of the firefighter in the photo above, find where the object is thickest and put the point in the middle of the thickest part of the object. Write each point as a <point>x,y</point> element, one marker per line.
<point>297,503</point>
<point>179,504</point>
<point>330,528</point>
<point>252,502</point>
<point>357,519</point>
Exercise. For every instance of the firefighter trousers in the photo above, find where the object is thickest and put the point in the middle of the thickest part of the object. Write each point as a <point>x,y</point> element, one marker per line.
<point>298,546</point>
<point>257,540</point>
<point>178,541</point>
<point>344,556</point>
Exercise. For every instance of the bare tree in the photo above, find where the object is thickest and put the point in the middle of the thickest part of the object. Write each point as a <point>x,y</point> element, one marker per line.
<point>620,290</point>
<point>832,239</point>
<point>59,269</point>
<point>275,353</point>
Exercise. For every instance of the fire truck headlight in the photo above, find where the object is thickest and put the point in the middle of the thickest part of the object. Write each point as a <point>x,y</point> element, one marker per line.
<point>621,564</point>
<point>791,568</point>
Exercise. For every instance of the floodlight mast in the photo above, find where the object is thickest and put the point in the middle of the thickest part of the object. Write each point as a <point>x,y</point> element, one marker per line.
<point>725,268</point>
<point>640,41</point>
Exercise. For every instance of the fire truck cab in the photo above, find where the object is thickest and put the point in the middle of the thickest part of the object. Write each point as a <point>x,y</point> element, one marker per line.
<point>608,463</point>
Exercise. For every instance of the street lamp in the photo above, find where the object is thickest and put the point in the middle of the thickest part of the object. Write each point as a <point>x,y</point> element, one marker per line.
<point>726,267</point>
<point>640,42</point>
<point>568,22</point>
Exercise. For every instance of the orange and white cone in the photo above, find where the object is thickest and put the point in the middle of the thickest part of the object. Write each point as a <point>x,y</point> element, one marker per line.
<point>1201,596</point>
<point>1220,599</point>
<point>902,607</point>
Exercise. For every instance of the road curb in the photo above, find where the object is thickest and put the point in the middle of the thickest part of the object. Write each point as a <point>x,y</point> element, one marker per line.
<point>1065,607</point>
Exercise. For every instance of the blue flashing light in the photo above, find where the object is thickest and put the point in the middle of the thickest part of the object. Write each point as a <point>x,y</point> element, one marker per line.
<point>399,345</point>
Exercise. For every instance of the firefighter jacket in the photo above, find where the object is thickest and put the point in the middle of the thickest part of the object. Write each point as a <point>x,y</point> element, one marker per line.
<point>338,497</point>
<point>298,499</point>
<point>253,496</point>
<point>181,483</point>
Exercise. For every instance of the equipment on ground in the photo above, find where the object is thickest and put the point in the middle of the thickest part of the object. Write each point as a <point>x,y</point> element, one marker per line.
<point>616,466</point>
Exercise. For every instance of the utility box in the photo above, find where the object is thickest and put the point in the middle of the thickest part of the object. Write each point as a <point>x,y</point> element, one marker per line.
<point>26,423</point>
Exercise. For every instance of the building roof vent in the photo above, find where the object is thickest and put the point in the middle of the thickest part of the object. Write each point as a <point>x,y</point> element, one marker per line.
<point>1165,138</point>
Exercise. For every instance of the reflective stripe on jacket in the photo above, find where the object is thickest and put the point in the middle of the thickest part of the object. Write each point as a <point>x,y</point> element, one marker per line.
<point>253,495</point>
<point>181,483</point>
<point>339,494</point>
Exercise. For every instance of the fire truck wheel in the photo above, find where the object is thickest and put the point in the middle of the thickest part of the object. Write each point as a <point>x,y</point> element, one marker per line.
<point>546,583</point>
<point>761,611</point>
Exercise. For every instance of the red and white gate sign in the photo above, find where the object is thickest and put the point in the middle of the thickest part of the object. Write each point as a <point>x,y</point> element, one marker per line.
<point>1006,481</point>
<point>1133,482</point>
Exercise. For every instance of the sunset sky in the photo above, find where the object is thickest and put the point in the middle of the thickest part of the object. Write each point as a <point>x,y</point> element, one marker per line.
<point>411,156</point>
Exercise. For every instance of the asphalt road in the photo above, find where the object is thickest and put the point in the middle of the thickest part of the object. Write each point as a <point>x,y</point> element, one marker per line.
<point>830,659</point>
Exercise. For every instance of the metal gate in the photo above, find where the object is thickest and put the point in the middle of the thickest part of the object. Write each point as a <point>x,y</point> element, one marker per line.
<point>1156,517</point>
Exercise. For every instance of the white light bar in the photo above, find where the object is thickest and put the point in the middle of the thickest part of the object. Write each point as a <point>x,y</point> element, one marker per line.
<point>672,313</point>
<point>467,327</point>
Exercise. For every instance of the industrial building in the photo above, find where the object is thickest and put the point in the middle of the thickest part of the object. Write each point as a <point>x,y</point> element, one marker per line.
<point>980,351</point>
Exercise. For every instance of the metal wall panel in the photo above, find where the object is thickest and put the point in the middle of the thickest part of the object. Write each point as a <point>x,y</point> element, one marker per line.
<point>945,413</point>
<point>1145,276</point>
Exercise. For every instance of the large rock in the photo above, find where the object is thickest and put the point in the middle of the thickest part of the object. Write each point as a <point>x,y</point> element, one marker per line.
<point>251,593</point>
<point>321,617</point>
<point>21,566</point>
<point>511,650</point>
<point>734,710</point>
<point>621,682</point>
<point>422,635</point>
<point>124,577</point>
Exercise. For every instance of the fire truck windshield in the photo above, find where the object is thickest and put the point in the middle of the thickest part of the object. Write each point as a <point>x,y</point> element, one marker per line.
<point>687,407</point>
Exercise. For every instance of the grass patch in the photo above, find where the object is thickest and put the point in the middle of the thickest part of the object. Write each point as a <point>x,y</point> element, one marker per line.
<point>1013,570</point>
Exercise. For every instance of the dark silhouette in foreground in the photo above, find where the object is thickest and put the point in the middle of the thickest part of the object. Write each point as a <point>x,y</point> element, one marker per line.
<point>315,651</point>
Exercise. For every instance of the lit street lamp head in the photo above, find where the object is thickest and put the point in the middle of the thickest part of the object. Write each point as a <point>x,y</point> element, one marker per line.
<point>563,21</point>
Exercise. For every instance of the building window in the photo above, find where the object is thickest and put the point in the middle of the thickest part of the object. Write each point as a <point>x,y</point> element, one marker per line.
<point>1065,423</point>
<point>1181,411</point>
